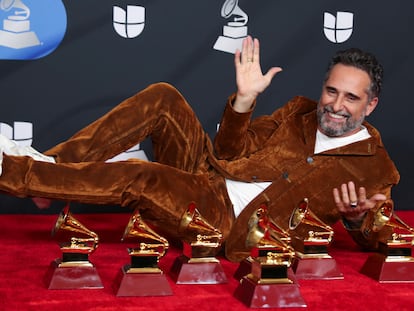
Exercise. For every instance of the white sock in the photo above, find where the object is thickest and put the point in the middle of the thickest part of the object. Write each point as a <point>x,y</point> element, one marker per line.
<point>10,147</point>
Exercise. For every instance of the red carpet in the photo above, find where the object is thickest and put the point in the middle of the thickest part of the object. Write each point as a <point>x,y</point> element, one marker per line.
<point>28,249</point>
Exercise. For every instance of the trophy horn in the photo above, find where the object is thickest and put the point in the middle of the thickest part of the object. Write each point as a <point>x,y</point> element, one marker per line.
<point>397,223</point>
<point>302,214</point>
<point>268,242</point>
<point>261,226</point>
<point>80,236</point>
<point>138,229</point>
<point>383,215</point>
<point>192,221</point>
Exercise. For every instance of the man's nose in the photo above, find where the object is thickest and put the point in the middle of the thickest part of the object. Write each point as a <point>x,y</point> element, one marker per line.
<point>338,105</point>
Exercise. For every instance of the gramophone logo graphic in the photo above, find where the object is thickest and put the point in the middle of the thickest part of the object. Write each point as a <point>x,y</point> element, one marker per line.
<point>338,28</point>
<point>30,29</point>
<point>235,31</point>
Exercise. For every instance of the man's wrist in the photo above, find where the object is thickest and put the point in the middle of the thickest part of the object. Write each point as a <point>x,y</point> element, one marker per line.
<point>243,104</point>
<point>353,223</point>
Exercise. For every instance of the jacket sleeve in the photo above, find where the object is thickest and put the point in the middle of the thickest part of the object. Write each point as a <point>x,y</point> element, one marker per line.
<point>238,136</point>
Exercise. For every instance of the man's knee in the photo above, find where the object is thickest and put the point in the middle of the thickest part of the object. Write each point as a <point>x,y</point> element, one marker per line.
<point>162,88</point>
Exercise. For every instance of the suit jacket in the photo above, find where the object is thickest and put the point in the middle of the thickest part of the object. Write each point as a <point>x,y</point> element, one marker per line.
<point>280,148</point>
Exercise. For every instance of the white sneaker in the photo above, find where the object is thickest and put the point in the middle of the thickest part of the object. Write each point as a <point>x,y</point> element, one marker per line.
<point>10,147</point>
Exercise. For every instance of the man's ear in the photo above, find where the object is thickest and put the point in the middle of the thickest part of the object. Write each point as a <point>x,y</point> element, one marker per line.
<point>371,106</point>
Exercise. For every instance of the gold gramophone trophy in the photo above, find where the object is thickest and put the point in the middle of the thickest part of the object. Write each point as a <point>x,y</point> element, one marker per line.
<point>142,276</point>
<point>273,229</point>
<point>198,263</point>
<point>73,270</point>
<point>270,283</point>
<point>394,262</point>
<point>312,260</point>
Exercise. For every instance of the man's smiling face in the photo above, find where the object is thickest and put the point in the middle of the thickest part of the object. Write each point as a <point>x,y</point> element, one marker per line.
<point>345,101</point>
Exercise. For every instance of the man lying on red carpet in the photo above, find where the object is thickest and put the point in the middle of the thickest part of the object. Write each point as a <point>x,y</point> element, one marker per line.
<point>324,151</point>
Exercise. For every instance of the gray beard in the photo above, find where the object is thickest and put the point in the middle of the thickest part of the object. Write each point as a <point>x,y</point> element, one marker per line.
<point>350,125</point>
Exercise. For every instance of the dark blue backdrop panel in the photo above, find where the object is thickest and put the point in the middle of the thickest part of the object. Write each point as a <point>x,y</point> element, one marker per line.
<point>94,67</point>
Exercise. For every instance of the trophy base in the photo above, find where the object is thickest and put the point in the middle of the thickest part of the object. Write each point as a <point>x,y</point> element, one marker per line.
<point>386,269</point>
<point>137,283</point>
<point>62,275</point>
<point>276,295</point>
<point>316,268</point>
<point>190,271</point>
<point>245,267</point>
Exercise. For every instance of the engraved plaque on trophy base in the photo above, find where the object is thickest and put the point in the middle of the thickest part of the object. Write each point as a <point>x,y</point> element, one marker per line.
<point>316,267</point>
<point>198,271</point>
<point>245,267</point>
<point>201,251</point>
<point>255,294</point>
<point>394,263</point>
<point>141,282</point>
<point>269,285</point>
<point>72,275</point>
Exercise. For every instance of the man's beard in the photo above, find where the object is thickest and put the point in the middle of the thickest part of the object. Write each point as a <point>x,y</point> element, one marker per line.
<point>337,131</point>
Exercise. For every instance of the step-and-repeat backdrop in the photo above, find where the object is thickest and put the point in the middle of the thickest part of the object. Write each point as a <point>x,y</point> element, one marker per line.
<point>65,63</point>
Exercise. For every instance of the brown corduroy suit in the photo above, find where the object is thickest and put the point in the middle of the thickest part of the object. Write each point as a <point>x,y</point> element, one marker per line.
<point>277,148</point>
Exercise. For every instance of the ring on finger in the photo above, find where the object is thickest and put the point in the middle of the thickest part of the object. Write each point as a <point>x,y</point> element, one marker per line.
<point>353,204</point>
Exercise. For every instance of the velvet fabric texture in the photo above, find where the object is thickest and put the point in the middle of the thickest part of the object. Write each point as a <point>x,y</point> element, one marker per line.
<point>162,190</point>
<point>280,148</point>
<point>277,148</point>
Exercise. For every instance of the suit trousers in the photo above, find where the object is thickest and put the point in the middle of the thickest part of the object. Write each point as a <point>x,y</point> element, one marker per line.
<point>161,190</point>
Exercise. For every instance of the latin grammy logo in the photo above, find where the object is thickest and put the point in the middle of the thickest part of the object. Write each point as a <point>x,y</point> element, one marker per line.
<point>338,28</point>
<point>235,31</point>
<point>16,31</point>
<point>31,29</point>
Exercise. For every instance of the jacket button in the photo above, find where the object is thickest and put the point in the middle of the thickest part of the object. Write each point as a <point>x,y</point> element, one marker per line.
<point>285,175</point>
<point>309,160</point>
